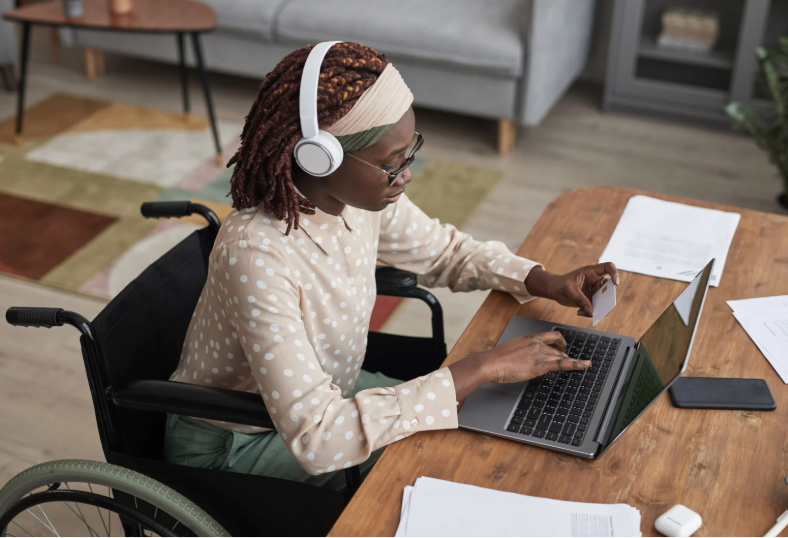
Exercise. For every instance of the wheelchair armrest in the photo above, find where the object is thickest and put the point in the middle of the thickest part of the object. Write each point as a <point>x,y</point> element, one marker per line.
<point>178,209</point>
<point>194,401</point>
<point>395,282</point>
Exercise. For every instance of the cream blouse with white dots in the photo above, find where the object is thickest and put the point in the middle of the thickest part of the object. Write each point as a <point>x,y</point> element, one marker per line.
<point>287,316</point>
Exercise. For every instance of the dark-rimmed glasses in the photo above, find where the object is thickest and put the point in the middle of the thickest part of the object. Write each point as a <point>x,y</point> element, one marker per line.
<point>418,142</point>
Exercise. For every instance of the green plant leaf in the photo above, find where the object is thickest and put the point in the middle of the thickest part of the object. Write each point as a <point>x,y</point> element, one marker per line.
<point>783,44</point>
<point>773,80</point>
<point>769,131</point>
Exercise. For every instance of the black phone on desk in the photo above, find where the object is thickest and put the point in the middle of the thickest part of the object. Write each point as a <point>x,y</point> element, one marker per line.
<point>722,393</point>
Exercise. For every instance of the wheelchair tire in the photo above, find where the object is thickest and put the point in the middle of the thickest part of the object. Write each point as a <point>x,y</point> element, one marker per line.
<point>119,479</point>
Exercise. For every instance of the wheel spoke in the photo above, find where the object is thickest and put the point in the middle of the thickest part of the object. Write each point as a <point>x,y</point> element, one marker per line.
<point>81,518</point>
<point>39,519</point>
<point>47,517</point>
<point>137,507</point>
<point>81,515</point>
<point>21,527</point>
<point>99,513</point>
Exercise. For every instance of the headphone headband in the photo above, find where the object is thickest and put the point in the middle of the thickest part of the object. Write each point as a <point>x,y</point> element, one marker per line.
<point>308,94</point>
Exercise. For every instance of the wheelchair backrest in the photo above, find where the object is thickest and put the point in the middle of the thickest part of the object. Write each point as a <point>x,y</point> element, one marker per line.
<point>142,330</point>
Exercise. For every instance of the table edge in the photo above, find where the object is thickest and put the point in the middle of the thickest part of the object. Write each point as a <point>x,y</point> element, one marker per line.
<point>13,16</point>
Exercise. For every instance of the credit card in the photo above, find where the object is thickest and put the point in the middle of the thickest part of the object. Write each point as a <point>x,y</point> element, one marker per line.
<point>603,301</point>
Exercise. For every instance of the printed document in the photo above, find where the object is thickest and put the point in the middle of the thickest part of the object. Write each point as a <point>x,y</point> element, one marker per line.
<point>670,240</point>
<point>766,321</point>
<point>439,508</point>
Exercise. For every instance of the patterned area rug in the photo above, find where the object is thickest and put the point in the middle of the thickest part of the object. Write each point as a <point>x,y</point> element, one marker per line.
<point>70,194</point>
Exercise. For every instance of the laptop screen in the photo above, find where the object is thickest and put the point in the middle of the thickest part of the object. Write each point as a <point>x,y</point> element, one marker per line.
<point>661,356</point>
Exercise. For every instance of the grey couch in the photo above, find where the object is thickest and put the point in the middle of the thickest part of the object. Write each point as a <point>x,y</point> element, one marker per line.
<point>508,60</point>
<point>8,53</point>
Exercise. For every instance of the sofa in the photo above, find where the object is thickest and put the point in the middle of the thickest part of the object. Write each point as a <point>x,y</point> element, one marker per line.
<point>507,60</point>
<point>8,49</point>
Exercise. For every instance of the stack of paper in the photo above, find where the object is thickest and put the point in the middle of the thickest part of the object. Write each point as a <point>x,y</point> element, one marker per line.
<point>670,240</point>
<point>439,508</point>
<point>766,321</point>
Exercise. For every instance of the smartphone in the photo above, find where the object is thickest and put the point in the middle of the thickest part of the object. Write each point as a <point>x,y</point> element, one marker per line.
<point>722,393</point>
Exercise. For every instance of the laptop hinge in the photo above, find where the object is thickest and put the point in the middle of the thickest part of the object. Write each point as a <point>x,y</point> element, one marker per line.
<point>618,386</point>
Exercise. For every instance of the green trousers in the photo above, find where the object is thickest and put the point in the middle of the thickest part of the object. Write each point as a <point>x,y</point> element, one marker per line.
<point>196,443</point>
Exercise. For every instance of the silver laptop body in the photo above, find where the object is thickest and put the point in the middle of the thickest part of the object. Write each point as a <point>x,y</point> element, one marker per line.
<point>584,413</point>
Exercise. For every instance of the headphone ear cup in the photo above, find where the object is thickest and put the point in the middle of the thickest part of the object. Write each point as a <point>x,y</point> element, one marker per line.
<point>335,148</point>
<point>319,156</point>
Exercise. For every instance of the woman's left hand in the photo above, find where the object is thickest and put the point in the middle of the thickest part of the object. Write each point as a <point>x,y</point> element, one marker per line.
<point>572,289</point>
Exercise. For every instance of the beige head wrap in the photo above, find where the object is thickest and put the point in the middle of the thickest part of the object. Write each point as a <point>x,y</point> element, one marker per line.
<point>376,111</point>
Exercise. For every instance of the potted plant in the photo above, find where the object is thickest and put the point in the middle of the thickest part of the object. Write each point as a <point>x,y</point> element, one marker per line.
<point>770,129</point>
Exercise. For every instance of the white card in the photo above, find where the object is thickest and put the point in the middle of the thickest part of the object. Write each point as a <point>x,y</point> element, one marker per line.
<point>603,301</point>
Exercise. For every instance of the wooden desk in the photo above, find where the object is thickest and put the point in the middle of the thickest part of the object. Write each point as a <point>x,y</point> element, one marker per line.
<point>729,466</point>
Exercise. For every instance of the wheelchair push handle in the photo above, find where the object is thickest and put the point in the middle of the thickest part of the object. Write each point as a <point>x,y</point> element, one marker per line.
<point>178,209</point>
<point>162,210</point>
<point>34,317</point>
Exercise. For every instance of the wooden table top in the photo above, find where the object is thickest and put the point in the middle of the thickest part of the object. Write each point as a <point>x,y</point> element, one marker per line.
<point>147,16</point>
<point>728,466</point>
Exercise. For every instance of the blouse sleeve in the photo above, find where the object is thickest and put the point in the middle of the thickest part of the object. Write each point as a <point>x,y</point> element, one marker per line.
<point>443,256</point>
<point>323,431</point>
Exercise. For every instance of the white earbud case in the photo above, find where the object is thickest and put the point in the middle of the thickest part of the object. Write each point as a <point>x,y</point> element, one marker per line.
<point>678,521</point>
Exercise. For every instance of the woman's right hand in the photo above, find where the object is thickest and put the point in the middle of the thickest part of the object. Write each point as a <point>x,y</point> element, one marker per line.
<point>519,359</point>
<point>524,358</point>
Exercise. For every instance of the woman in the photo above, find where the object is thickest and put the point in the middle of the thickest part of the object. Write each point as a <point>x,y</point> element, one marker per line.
<point>291,285</point>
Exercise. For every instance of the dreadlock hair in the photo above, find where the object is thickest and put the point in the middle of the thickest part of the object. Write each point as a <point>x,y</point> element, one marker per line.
<point>264,163</point>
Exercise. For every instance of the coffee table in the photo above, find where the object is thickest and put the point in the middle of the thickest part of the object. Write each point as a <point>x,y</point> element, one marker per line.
<point>177,17</point>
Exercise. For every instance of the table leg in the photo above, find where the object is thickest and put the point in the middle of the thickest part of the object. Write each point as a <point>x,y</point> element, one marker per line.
<point>207,90</point>
<point>184,74</point>
<point>20,99</point>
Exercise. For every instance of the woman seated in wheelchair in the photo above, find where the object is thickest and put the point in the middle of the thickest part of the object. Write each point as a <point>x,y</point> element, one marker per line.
<point>291,282</point>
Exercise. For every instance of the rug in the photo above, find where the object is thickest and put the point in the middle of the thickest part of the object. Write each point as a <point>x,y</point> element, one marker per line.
<point>70,194</point>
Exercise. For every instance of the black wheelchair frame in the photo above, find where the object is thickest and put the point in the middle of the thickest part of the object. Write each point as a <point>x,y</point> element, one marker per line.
<point>132,346</point>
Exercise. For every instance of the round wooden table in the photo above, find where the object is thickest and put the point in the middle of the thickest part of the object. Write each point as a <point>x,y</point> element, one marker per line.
<point>178,17</point>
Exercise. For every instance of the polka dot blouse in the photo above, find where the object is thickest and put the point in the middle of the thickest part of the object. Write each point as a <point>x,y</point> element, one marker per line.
<point>287,317</point>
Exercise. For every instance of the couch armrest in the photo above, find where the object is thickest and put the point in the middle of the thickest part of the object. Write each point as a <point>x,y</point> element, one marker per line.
<point>194,401</point>
<point>557,45</point>
<point>8,51</point>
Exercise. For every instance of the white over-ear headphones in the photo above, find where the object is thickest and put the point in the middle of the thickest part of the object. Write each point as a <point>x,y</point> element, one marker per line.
<point>318,153</point>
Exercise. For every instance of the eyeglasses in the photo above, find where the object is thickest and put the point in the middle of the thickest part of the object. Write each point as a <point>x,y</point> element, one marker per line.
<point>418,142</point>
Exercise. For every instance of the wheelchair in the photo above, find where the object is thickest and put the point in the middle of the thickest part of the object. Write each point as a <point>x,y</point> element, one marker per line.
<point>130,349</point>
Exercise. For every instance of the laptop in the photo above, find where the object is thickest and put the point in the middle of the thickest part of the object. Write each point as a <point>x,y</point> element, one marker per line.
<point>583,413</point>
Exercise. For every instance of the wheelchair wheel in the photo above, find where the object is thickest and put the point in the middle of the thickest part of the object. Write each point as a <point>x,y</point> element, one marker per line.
<point>90,498</point>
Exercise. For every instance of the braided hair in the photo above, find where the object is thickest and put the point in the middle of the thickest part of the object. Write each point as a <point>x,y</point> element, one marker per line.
<point>264,163</point>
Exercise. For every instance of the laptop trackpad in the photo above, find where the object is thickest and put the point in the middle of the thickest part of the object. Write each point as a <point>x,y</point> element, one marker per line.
<point>488,408</point>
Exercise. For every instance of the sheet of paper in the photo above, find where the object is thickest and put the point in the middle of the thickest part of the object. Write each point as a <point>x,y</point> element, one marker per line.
<point>603,301</point>
<point>403,513</point>
<point>670,240</point>
<point>759,303</point>
<point>768,328</point>
<point>441,508</point>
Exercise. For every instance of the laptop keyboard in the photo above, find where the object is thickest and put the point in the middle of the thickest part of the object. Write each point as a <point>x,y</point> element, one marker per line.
<point>558,406</point>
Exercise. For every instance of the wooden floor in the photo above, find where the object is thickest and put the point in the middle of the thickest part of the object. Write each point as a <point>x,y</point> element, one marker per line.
<point>45,409</point>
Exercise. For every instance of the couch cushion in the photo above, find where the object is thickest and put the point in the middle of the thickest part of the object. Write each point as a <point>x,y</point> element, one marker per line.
<point>255,17</point>
<point>481,35</point>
